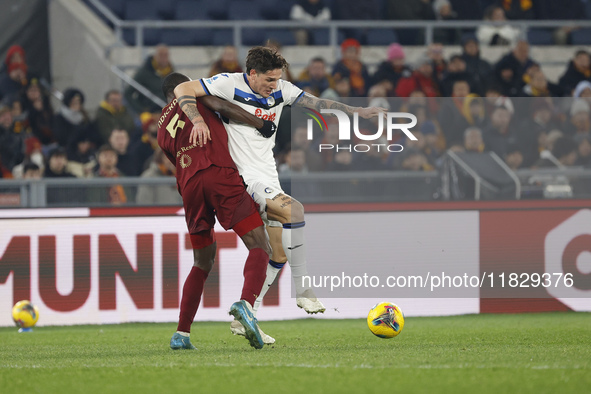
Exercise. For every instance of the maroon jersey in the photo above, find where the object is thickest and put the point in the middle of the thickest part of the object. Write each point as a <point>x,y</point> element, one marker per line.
<point>174,129</point>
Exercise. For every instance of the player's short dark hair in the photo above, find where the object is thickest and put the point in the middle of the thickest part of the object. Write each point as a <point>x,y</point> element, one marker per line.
<point>171,81</point>
<point>263,59</point>
<point>317,59</point>
<point>581,52</point>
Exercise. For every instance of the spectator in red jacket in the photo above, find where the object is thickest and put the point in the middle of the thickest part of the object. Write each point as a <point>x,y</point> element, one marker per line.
<point>352,68</point>
<point>421,79</point>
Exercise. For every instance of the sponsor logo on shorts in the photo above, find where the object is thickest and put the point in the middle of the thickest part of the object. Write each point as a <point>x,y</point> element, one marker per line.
<point>185,161</point>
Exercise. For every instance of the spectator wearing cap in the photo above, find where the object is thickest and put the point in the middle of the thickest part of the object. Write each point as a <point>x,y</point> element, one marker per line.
<point>578,70</point>
<point>72,120</point>
<point>394,68</point>
<point>580,119</point>
<point>35,103</point>
<point>583,90</point>
<point>511,69</point>
<point>11,146</point>
<point>149,195</point>
<point>351,67</point>
<point>444,11</point>
<point>497,33</point>
<point>477,67</point>
<point>150,75</point>
<point>112,114</point>
<point>422,78</point>
<point>14,76</point>
<point>315,77</point>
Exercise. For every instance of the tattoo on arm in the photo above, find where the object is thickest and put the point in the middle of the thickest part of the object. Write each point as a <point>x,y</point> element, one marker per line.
<point>310,101</point>
<point>189,106</point>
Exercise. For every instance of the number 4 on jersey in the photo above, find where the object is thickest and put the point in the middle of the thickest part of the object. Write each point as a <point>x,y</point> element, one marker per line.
<point>174,124</point>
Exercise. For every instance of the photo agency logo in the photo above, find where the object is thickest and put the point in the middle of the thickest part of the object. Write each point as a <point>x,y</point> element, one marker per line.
<point>372,140</point>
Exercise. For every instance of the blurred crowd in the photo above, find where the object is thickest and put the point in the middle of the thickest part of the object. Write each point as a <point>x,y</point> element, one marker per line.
<point>462,103</point>
<point>497,11</point>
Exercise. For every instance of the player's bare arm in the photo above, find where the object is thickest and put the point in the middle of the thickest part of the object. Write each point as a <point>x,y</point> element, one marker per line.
<point>186,94</point>
<point>313,102</point>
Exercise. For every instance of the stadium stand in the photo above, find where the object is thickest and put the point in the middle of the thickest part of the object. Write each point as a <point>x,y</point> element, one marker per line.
<point>545,77</point>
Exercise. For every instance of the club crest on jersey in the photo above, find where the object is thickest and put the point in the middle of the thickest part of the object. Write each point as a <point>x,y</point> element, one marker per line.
<point>270,101</point>
<point>185,161</point>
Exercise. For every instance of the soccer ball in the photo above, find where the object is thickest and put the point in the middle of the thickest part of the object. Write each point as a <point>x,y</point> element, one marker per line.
<point>25,314</point>
<point>385,320</point>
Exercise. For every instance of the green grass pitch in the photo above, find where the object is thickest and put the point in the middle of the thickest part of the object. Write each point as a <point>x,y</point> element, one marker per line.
<point>522,353</point>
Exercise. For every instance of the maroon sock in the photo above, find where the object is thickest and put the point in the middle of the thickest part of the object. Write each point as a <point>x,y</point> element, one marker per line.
<point>192,291</point>
<point>255,272</point>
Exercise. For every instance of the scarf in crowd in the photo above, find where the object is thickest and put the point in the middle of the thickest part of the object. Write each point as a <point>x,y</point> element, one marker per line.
<point>355,77</point>
<point>161,71</point>
<point>108,107</point>
<point>116,193</point>
<point>74,117</point>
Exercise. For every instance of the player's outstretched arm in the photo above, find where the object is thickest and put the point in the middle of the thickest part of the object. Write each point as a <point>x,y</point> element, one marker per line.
<point>237,114</point>
<point>313,102</point>
<point>186,94</point>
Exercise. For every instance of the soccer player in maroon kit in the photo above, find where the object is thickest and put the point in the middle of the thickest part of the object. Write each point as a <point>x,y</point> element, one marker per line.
<point>210,185</point>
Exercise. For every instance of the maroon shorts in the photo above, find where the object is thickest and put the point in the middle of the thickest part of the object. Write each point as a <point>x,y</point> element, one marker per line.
<point>218,191</point>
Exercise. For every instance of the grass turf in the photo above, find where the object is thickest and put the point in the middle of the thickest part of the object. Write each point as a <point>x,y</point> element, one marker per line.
<point>525,353</point>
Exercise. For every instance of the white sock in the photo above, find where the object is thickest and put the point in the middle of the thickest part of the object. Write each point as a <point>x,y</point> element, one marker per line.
<point>295,250</point>
<point>271,275</point>
<point>185,334</point>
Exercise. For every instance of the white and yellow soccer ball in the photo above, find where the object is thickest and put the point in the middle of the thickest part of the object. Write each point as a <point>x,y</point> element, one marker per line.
<point>385,320</point>
<point>25,314</point>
